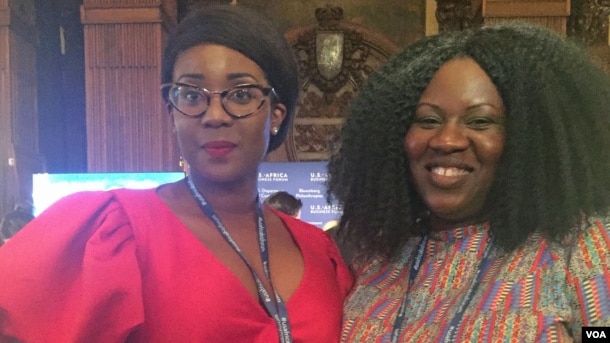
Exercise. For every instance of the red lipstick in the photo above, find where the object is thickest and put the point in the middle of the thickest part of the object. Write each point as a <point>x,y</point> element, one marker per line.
<point>218,149</point>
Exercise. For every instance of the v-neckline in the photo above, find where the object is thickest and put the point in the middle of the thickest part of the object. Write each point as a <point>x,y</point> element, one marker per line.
<point>208,255</point>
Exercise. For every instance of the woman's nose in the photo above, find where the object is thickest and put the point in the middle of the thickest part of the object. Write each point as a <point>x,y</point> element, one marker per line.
<point>450,137</point>
<point>215,115</point>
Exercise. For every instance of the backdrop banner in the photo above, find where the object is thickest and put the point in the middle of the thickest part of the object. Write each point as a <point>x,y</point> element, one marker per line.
<point>304,180</point>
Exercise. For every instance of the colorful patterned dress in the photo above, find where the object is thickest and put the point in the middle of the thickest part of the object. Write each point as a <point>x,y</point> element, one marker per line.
<point>544,291</point>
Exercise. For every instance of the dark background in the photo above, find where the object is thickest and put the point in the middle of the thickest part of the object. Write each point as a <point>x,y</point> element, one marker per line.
<point>61,86</point>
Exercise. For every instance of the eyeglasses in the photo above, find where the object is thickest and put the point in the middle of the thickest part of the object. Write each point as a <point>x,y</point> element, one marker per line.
<point>240,101</point>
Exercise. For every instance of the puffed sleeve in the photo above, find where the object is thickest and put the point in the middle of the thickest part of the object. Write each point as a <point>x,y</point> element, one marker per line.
<point>344,275</point>
<point>71,275</point>
<point>589,275</point>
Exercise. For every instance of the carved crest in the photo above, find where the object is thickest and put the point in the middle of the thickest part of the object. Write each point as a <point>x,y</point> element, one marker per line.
<point>329,53</point>
<point>334,59</point>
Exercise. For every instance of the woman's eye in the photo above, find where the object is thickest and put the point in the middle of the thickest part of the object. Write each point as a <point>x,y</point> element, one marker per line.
<point>191,96</point>
<point>241,96</point>
<point>480,123</point>
<point>427,122</point>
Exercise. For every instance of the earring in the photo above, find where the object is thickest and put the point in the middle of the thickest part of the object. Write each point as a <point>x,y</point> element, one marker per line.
<point>274,131</point>
<point>184,166</point>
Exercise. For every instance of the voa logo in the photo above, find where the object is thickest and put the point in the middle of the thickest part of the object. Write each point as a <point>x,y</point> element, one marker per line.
<point>595,334</point>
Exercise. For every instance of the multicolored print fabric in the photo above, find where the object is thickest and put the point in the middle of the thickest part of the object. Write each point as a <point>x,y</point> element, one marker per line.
<point>544,291</point>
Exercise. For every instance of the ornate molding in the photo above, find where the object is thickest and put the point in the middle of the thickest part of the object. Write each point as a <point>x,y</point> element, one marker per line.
<point>589,21</point>
<point>355,52</point>
<point>129,15</point>
<point>456,15</point>
<point>334,59</point>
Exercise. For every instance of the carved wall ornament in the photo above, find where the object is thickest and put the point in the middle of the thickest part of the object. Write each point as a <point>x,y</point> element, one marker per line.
<point>329,53</point>
<point>456,15</point>
<point>334,60</point>
<point>589,21</point>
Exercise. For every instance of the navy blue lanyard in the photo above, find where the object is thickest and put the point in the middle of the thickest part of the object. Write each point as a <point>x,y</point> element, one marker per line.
<point>417,263</point>
<point>451,332</point>
<point>276,307</point>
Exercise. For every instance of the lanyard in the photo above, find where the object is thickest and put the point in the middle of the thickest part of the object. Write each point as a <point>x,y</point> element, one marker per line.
<point>417,263</point>
<point>451,332</point>
<point>276,307</point>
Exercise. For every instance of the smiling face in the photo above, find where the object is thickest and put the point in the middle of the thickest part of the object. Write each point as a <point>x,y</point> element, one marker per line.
<point>217,146</point>
<point>455,142</point>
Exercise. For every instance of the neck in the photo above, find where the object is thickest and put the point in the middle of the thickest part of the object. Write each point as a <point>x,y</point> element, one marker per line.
<point>231,198</point>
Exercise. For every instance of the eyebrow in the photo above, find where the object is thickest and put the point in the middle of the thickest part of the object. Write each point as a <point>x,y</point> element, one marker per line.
<point>191,76</point>
<point>438,108</point>
<point>231,76</point>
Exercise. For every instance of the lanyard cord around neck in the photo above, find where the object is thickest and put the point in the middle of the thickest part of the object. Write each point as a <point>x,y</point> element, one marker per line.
<point>452,330</point>
<point>276,307</point>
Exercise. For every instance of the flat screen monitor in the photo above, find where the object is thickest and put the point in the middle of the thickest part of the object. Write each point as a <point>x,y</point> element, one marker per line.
<point>305,180</point>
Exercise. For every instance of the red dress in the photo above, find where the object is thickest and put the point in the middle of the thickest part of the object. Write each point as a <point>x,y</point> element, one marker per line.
<point>119,266</point>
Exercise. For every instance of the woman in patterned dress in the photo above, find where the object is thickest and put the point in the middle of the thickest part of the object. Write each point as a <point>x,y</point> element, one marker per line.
<point>478,204</point>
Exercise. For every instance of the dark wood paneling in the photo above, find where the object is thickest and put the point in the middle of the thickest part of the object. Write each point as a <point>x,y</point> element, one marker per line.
<point>552,14</point>
<point>19,156</point>
<point>127,128</point>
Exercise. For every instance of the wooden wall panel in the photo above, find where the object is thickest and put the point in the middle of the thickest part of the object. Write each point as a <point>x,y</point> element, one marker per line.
<point>4,15</point>
<point>8,177</point>
<point>127,129</point>
<point>550,13</point>
<point>127,126</point>
<point>555,23</point>
<point>130,11</point>
<point>24,115</point>
<point>19,156</point>
<point>23,94</point>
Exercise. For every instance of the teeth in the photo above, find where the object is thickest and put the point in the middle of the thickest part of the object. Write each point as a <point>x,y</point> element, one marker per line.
<point>449,171</point>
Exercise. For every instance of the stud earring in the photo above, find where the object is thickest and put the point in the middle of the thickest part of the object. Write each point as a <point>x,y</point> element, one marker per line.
<point>181,162</point>
<point>274,131</point>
